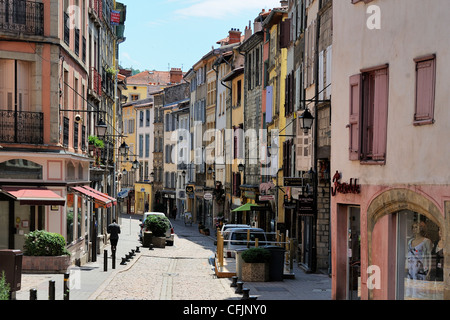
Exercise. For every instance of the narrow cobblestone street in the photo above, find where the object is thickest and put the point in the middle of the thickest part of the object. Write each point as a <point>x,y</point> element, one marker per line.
<point>179,272</point>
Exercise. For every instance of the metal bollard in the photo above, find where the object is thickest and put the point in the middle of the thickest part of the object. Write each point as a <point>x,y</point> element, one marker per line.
<point>124,261</point>
<point>137,249</point>
<point>127,258</point>
<point>239,287</point>
<point>234,283</point>
<point>132,253</point>
<point>113,259</point>
<point>105,260</point>
<point>246,294</point>
<point>66,291</point>
<point>150,247</point>
<point>33,294</point>
<point>51,290</point>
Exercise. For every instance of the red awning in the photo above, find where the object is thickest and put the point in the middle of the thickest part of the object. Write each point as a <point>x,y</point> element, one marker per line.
<point>34,196</point>
<point>104,202</point>
<point>114,201</point>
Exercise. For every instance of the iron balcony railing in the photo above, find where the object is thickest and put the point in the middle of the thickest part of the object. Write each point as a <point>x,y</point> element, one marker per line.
<point>21,127</point>
<point>22,16</point>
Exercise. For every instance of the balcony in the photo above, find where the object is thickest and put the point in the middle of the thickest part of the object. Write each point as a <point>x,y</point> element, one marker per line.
<point>21,127</point>
<point>96,8</point>
<point>22,16</point>
<point>95,82</point>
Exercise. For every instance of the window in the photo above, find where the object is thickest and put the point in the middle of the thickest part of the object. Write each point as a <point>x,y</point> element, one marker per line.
<point>141,119</point>
<point>425,90</point>
<point>141,146</point>
<point>147,118</point>
<point>134,97</point>
<point>147,145</point>
<point>368,115</point>
<point>420,259</point>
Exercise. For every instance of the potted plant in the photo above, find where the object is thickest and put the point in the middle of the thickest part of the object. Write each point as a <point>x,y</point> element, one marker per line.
<point>158,225</point>
<point>255,266</point>
<point>4,287</point>
<point>45,252</point>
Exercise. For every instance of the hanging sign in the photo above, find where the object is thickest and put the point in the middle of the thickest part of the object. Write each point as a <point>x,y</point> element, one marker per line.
<point>115,17</point>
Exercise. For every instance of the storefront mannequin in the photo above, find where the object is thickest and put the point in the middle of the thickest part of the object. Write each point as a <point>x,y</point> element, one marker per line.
<point>419,253</point>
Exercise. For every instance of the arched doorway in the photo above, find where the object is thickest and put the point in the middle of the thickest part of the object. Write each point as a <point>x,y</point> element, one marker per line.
<point>405,239</point>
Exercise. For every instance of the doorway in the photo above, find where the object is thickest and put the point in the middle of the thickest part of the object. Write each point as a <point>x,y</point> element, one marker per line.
<point>354,254</point>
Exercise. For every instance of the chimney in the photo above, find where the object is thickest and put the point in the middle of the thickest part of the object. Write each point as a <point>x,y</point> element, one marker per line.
<point>234,36</point>
<point>248,31</point>
<point>176,75</point>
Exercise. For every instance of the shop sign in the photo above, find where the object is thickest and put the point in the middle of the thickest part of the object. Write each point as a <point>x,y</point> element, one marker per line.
<point>344,188</point>
<point>208,196</point>
<point>305,206</point>
<point>189,189</point>
<point>115,17</point>
<point>267,198</point>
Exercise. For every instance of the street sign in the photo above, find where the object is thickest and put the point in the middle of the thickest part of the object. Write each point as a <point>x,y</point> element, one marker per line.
<point>189,189</point>
<point>293,182</point>
<point>208,196</point>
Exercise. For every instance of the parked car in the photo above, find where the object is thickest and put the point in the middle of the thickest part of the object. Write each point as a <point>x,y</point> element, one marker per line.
<point>170,235</point>
<point>236,238</point>
<point>231,225</point>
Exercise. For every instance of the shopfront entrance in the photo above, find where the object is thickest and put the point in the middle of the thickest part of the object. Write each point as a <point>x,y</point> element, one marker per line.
<point>354,254</point>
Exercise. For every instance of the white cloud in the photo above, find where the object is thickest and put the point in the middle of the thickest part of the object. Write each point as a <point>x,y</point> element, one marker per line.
<point>220,9</point>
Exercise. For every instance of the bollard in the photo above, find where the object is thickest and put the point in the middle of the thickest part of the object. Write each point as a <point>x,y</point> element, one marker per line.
<point>132,253</point>
<point>127,258</point>
<point>66,291</point>
<point>150,247</point>
<point>137,249</point>
<point>234,283</point>
<point>239,287</point>
<point>51,290</point>
<point>33,294</point>
<point>246,294</point>
<point>105,260</point>
<point>113,259</point>
<point>123,262</point>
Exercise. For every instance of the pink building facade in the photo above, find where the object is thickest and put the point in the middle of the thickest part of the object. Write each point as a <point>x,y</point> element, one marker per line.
<point>43,71</point>
<point>390,192</point>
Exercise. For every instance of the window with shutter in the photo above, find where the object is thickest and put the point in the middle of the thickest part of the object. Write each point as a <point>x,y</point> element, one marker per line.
<point>355,107</point>
<point>425,90</point>
<point>369,93</point>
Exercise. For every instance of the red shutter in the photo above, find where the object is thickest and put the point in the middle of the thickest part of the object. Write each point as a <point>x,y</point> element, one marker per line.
<point>425,89</point>
<point>380,114</point>
<point>354,124</point>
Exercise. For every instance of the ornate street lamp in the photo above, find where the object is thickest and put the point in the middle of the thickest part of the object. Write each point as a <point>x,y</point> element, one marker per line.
<point>306,121</point>
<point>123,149</point>
<point>101,128</point>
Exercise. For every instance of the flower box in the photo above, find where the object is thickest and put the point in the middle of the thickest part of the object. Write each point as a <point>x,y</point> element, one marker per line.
<point>255,272</point>
<point>45,264</point>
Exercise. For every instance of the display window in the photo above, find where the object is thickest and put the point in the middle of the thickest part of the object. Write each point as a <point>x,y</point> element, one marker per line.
<point>420,260</point>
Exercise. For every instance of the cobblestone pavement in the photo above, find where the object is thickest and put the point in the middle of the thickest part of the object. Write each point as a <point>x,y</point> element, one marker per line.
<point>179,272</point>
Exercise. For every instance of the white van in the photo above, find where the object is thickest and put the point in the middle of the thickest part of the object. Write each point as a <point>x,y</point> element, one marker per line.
<point>231,225</point>
<point>169,232</point>
<point>236,238</point>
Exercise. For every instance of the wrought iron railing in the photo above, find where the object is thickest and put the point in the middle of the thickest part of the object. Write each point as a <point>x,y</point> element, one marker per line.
<point>66,132</point>
<point>21,127</point>
<point>95,81</point>
<point>22,16</point>
<point>77,41</point>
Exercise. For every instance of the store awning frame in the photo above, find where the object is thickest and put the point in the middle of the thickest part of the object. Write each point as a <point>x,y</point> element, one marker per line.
<point>34,196</point>
<point>98,199</point>
<point>245,207</point>
<point>113,200</point>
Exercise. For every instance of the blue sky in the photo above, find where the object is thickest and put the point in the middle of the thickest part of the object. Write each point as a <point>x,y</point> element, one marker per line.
<point>163,34</point>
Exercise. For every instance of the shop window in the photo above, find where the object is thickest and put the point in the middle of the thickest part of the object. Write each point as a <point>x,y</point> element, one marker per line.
<point>420,261</point>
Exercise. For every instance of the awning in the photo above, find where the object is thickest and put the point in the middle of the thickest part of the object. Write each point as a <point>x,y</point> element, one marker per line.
<point>34,196</point>
<point>245,207</point>
<point>114,201</point>
<point>102,201</point>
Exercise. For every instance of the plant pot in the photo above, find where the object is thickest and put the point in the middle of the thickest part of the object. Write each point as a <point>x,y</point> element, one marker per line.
<point>45,264</point>
<point>255,272</point>
<point>159,242</point>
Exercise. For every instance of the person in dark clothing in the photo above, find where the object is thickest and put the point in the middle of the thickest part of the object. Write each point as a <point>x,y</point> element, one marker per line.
<point>114,230</point>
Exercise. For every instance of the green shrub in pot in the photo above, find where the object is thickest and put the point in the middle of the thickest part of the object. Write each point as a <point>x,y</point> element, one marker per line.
<point>158,225</point>
<point>44,243</point>
<point>256,255</point>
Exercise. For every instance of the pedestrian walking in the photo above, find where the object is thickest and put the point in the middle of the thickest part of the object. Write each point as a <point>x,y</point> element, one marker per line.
<point>114,230</point>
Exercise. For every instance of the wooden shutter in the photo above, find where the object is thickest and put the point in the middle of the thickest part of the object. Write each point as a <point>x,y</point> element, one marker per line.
<point>355,111</point>
<point>380,114</point>
<point>425,89</point>
<point>285,28</point>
